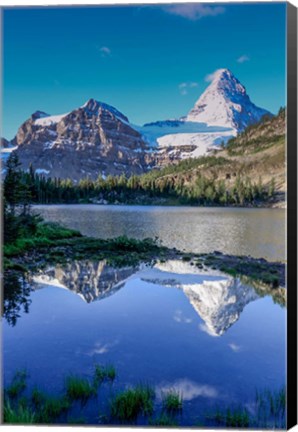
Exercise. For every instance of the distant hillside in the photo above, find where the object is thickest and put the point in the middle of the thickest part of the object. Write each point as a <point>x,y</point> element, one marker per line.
<point>264,134</point>
<point>248,171</point>
<point>255,155</point>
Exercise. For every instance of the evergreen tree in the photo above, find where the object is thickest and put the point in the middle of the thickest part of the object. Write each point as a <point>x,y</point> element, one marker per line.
<point>13,189</point>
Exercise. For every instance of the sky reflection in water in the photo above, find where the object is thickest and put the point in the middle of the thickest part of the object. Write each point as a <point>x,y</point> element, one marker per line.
<point>209,336</point>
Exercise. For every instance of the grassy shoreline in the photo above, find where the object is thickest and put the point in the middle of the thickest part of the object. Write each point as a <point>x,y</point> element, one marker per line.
<point>53,244</point>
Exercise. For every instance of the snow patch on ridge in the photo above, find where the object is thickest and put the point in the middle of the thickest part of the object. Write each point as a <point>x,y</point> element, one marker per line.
<point>50,120</point>
<point>176,134</point>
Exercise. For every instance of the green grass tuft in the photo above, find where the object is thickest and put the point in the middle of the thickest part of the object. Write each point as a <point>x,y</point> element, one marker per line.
<point>172,401</point>
<point>52,409</point>
<point>104,373</point>
<point>38,398</point>
<point>163,420</point>
<point>79,388</point>
<point>18,415</point>
<point>17,385</point>
<point>128,405</point>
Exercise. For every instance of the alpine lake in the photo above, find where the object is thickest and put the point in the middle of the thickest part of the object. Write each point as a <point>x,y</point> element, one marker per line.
<point>210,342</point>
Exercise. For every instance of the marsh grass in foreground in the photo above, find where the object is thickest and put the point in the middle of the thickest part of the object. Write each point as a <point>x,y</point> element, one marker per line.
<point>38,398</point>
<point>233,418</point>
<point>79,388</point>
<point>52,408</point>
<point>129,404</point>
<point>271,408</point>
<point>104,373</point>
<point>18,415</point>
<point>268,412</point>
<point>163,420</point>
<point>172,401</point>
<point>18,384</point>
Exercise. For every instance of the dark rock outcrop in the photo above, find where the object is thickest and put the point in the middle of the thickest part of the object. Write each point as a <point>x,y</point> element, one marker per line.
<point>93,140</point>
<point>5,143</point>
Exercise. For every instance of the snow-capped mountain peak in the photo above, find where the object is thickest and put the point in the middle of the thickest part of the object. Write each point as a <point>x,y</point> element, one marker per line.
<point>226,83</point>
<point>225,103</point>
<point>94,106</point>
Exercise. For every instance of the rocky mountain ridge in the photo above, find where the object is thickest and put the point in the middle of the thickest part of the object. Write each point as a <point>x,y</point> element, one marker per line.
<point>221,112</point>
<point>96,140</point>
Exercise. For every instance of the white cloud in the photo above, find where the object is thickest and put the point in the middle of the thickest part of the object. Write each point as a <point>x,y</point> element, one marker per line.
<point>205,329</point>
<point>242,59</point>
<point>185,86</point>
<point>180,318</point>
<point>102,348</point>
<point>234,347</point>
<point>188,389</point>
<point>194,11</point>
<point>210,77</point>
<point>105,51</point>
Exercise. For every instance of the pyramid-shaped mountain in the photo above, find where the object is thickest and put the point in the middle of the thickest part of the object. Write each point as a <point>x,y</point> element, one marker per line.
<point>225,103</point>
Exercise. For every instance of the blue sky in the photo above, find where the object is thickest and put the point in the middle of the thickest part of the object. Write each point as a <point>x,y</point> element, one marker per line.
<point>150,62</point>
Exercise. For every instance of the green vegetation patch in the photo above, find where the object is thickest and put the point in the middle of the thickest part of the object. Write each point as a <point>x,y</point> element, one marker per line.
<point>172,401</point>
<point>128,405</point>
<point>163,420</point>
<point>238,418</point>
<point>17,415</point>
<point>104,373</point>
<point>52,408</point>
<point>17,385</point>
<point>79,388</point>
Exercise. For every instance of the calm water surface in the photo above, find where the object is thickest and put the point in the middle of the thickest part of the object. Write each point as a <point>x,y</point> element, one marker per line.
<point>237,231</point>
<point>208,336</point>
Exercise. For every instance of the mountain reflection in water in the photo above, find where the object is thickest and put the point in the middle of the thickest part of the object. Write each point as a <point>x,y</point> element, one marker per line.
<point>218,299</point>
<point>91,280</point>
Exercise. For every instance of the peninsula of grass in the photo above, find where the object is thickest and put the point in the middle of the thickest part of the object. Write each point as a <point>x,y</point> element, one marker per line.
<point>52,244</point>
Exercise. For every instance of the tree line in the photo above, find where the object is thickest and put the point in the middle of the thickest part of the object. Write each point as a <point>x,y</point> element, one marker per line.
<point>23,188</point>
